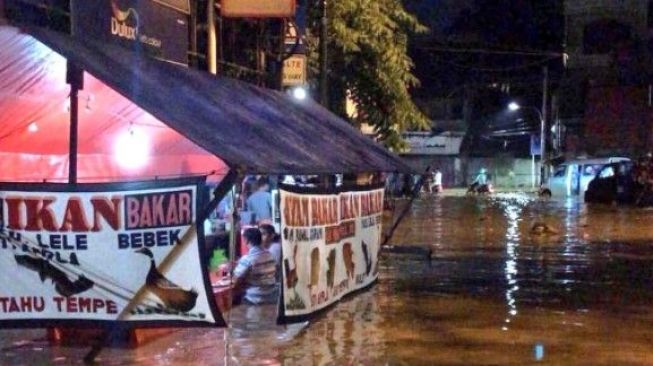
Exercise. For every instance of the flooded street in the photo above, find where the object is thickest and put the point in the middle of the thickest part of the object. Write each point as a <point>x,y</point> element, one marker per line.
<point>576,289</point>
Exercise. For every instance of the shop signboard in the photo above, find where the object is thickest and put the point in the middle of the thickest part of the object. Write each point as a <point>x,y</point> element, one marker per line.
<point>156,28</point>
<point>257,8</point>
<point>330,246</point>
<point>95,254</point>
<point>294,70</point>
<point>424,143</point>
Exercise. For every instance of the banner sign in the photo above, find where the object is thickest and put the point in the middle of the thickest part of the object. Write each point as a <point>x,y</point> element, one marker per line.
<point>94,254</point>
<point>536,145</point>
<point>257,8</point>
<point>330,246</point>
<point>151,27</point>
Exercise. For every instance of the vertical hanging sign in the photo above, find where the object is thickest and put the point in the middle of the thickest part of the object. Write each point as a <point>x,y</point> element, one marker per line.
<point>330,246</point>
<point>95,254</point>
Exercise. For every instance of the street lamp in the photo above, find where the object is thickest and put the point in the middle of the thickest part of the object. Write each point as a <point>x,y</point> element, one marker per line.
<point>299,93</point>
<point>514,106</point>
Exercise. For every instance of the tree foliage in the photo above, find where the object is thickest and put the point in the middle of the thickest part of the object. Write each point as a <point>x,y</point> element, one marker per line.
<point>367,58</point>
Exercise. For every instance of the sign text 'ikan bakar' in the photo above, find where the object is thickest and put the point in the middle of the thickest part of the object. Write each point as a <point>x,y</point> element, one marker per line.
<point>143,211</point>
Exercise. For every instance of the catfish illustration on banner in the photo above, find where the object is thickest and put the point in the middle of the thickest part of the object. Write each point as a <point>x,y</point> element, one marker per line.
<point>46,270</point>
<point>348,258</point>
<point>315,267</point>
<point>368,259</point>
<point>331,269</point>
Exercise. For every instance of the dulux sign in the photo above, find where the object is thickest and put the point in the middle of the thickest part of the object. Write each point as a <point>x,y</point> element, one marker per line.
<point>151,27</point>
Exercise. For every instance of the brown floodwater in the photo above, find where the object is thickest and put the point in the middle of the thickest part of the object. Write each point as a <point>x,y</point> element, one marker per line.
<point>495,292</point>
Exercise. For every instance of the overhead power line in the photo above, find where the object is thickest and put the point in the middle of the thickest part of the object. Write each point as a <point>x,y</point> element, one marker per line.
<point>533,53</point>
<point>497,69</point>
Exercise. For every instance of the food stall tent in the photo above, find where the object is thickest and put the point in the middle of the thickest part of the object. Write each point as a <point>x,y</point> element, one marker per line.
<point>185,121</point>
<point>190,122</point>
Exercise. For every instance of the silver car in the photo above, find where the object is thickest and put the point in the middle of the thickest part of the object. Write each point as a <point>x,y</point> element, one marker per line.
<point>572,177</point>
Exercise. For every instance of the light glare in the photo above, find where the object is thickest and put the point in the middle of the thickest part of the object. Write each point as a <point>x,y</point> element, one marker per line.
<point>513,106</point>
<point>299,93</point>
<point>131,149</point>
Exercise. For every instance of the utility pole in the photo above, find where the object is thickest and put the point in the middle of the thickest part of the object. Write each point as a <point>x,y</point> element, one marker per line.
<point>212,53</point>
<point>543,126</point>
<point>193,60</point>
<point>324,98</point>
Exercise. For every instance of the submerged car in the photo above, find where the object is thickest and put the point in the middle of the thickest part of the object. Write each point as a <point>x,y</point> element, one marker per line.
<point>613,183</point>
<point>573,177</point>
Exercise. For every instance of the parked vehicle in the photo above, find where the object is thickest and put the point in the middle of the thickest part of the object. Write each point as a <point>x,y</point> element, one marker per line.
<point>621,183</point>
<point>572,177</point>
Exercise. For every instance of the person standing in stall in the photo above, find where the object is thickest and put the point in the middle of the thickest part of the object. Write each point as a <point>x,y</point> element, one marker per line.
<point>271,242</point>
<point>254,276</point>
<point>260,202</point>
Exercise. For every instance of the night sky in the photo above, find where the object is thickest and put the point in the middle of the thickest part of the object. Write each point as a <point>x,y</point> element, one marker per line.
<point>524,25</point>
<point>444,61</point>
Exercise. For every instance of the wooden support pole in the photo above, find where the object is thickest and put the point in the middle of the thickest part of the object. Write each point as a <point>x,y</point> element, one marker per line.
<point>219,192</point>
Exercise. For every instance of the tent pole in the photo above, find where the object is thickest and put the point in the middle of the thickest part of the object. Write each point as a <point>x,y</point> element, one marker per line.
<point>234,218</point>
<point>220,192</point>
<point>238,181</point>
<point>74,77</point>
<point>413,196</point>
<point>72,162</point>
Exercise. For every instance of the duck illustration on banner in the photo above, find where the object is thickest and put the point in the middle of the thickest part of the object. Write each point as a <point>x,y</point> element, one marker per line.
<point>172,296</point>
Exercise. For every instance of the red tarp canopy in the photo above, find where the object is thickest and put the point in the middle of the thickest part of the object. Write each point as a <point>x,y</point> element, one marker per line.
<point>34,124</point>
<point>256,130</point>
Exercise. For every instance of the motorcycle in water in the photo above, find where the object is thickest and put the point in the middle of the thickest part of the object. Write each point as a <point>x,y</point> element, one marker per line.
<point>480,189</point>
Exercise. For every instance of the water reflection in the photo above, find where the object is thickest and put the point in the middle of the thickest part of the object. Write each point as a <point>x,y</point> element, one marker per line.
<point>512,212</point>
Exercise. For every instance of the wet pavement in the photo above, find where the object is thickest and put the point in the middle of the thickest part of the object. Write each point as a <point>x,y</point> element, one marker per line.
<point>512,280</point>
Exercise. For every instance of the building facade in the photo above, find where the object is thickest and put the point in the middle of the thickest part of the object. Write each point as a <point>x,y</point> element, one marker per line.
<point>605,96</point>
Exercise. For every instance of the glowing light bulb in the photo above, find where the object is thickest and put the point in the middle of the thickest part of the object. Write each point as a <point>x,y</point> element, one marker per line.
<point>132,149</point>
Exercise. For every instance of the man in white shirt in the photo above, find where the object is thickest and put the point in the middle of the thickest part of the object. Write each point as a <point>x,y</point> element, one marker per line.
<point>436,184</point>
